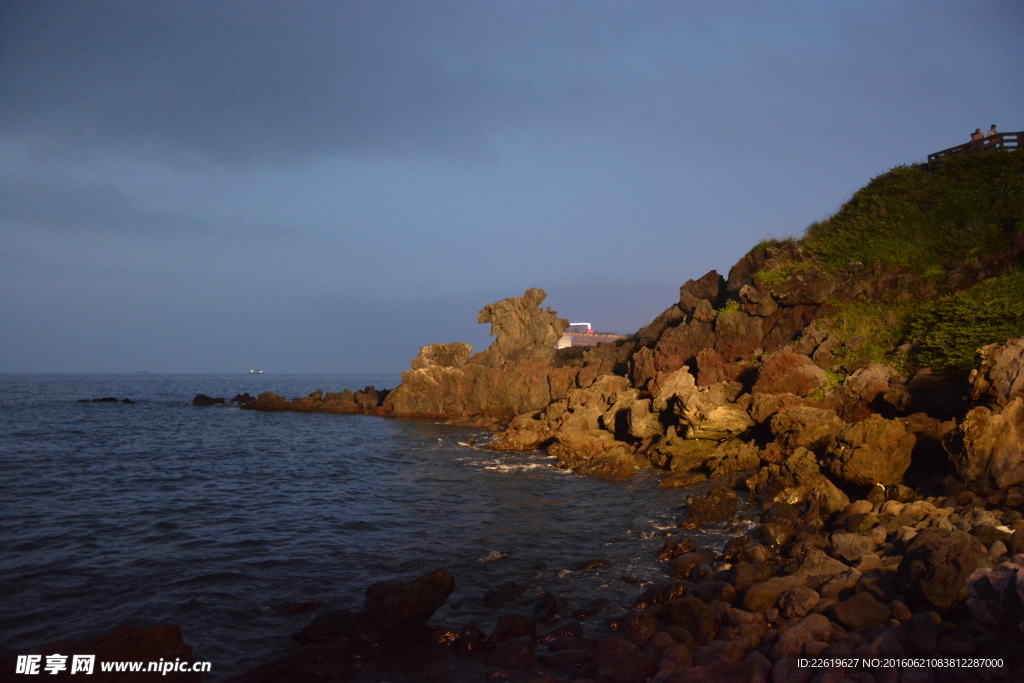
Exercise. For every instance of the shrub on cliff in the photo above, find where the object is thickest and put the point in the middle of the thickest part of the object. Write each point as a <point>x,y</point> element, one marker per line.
<point>971,207</point>
<point>954,327</point>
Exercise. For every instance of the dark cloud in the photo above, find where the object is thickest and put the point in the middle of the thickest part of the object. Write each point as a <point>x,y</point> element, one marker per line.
<point>242,81</point>
<point>54,203</point>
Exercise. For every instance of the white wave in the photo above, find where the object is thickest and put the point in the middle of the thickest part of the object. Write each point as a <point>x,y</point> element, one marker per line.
<point>492,556</point>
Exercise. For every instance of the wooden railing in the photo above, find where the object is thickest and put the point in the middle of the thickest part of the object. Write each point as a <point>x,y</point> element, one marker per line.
<point>1007,141</point>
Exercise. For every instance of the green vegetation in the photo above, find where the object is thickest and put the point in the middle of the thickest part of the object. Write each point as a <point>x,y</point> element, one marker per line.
<point>771,242</point>
<point>773,277</point>
<point>868,330</point>
<point>910,217</point>
<point>952,328</point>
<point>731,306</point>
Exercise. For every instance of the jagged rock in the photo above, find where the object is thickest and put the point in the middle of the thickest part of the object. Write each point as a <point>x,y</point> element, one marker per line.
<point>595,454</point>
<point>671,317</point>
<point>522,329</point>
<point>789,481</point>
<point>712,368</point>
<point>704,312</point>
<point>677,385</point>
<point>764,406</point>
<point>676,347</point>
<point>999,378</point>
<point>936,565</point>
<point>875,451</point>
<point>685,455</point>
<point>708,414</point>
<point>789,373</point>
<point>737,335</point>
<point>642,422</point>
<point>989,446</point>
<point>718,506</point>
<point>710,286</point>
<point>756,302</point>
<point>812,428</point>
<point>860,392</point>
<point>452,355</point>
<point>732,456</point>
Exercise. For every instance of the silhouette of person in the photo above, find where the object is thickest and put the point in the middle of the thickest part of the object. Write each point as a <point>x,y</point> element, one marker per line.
<point>977,135</point>
<point>991,131</point>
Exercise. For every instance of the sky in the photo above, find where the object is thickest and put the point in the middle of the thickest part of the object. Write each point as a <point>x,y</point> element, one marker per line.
<point>307,187</point>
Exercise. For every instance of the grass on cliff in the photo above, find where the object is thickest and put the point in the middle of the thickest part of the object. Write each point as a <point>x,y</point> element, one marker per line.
<point>952,328</point>
<point>910,217</point>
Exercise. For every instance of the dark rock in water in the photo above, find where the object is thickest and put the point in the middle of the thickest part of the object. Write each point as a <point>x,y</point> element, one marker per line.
<point>511,626</point>
<point>203,401</point>
<point>593,564</point>
<point>546,608</point>
<point>515,653</point>
<point>128,400</point>
<point>108,399</point>
<point>327,627</point>
<point>719,505</point>
<point>937,564</point>
<point>310,664</point>
<point>242,399</point>
<point>674,547</point>
<point>565,660</point>
<point>591,608</point>
<point>147,643</point>
<point>396,608</point>
<point>502,595</point>
<point>639,627</point>
<point>566,629</point>
<point>471,639</point>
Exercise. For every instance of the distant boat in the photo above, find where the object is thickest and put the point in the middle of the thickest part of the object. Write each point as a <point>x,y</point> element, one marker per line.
<point>255,372</point>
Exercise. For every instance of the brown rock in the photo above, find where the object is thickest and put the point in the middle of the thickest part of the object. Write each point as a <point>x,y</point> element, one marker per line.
<point>798,602</point>
<point>619,661</point>
<point>812,428</point>
<point>936,565</point>
<point>395,607</point>
<point>989,446</point>
<point>762,596</point>
<point>719,505</point>
<point>860,611</point>
<point>452,355</point>
<point>789,373</point>
<point>757,303</point>
<point>522,329</point>
<point>875,451</point>
<point>696,617</point>
<point>515,653</point>
<point>999,378</point>
<point>737,335</point>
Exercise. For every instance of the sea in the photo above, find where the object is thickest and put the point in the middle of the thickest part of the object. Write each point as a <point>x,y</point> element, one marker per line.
<point>241,526</point>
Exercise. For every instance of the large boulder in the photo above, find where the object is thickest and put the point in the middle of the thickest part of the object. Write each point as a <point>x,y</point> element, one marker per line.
<point>812,428</point>
<point>861,393</point>
<point>709,414</point>
<point>789,373</point>
<point>875,451</point>
<point>937,564</point>
<point>989,446</point>
<point>396,608</point>
<point>595,454</point>
<point>999,378</point>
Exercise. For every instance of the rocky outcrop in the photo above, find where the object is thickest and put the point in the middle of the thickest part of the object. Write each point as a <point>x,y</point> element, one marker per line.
<point>452,355</point>
<point>522,329</point>
<point>513,376</point>
<point>369,400</point>
<point>989,445</point>
<point>999,378</point>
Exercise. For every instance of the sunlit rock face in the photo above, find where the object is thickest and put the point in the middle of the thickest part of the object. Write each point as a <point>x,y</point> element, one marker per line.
<point>514,375</point>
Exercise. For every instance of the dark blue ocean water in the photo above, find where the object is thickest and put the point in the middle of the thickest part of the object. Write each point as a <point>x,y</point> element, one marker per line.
<point>220,519</point>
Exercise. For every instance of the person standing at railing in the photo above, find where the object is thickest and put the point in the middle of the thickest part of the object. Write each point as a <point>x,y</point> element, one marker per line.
<point>991,131</point>
<point>977,135</point>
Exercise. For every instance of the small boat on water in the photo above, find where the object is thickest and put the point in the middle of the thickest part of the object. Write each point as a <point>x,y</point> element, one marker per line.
<point>255,372</point>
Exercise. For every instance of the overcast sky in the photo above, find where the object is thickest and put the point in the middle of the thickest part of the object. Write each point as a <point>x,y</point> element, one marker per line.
<point>326,187</point>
